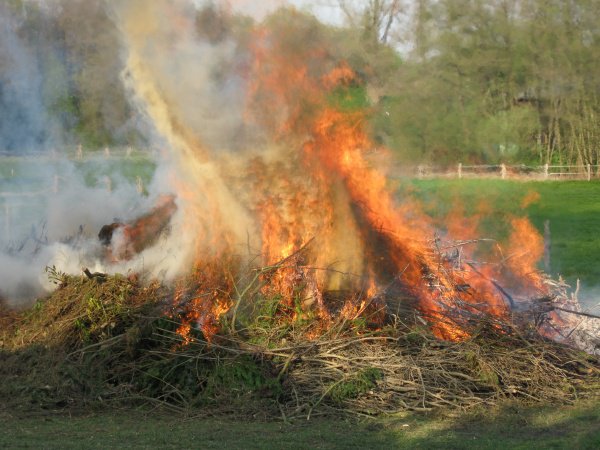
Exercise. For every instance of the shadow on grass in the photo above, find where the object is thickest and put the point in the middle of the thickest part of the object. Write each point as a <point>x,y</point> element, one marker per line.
<point>511,426</point>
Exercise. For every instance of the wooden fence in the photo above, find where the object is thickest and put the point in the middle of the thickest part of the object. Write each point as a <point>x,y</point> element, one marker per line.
<point>11,201</point>
<point>505,171</point>
<point>13,198</point>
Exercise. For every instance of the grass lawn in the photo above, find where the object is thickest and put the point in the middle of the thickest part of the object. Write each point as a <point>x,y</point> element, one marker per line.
<point>571,207</point>
<point>37,174</point>
<point>512,426</point>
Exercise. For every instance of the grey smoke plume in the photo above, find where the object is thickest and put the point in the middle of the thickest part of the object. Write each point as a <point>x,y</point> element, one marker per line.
<point>198,78</point>
<point>25,124</point>
<point>58,224</point>
<point>50,214</point>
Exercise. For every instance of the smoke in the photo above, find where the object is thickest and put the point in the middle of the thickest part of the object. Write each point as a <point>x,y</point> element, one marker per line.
<point>190,87</point>
<point>25,126</point>
<point>188,96</point>
<point>57,225</point>
<point>25,123</point>
<point>192,92</point>
<point>50,208</point>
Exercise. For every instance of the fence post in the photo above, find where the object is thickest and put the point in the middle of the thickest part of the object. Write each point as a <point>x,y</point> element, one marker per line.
<point>7,220</point>
<point>139,184</point>
<point>108,183</point>
<point>106,152</point>
<point>503,171</point>
<point>589,172</point>
<point>546,171</point>
<point>547,246</point>
<point>459,171</point>
<point>79,151</point>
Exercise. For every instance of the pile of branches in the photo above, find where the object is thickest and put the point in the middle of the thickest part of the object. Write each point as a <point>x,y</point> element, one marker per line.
<point>110,340</point>
<point>398,368</point>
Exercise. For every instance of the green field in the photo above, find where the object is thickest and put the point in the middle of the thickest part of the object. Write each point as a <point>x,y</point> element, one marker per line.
<point>571,207</point>
<point>35,174</point>
<point>512,426</point>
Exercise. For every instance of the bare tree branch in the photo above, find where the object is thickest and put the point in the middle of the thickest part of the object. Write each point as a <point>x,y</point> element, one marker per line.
<point>378,16</point>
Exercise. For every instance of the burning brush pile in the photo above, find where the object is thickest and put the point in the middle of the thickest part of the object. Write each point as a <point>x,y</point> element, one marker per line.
<point>104,340</point>
<point>302,282</point>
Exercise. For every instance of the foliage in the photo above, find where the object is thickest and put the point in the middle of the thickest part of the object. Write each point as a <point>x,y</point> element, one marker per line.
<point>240,379</point>
<point>495,81</point>
<point>499,81</point>
<point>360,383</point>
<point>75,47</point>
<point>112,340</point>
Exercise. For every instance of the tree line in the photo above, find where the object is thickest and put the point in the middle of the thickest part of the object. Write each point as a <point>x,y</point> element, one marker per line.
<point>497,81</point>
<point>479,81</point>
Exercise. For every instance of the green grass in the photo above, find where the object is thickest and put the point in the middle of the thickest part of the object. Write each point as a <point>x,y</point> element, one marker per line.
<point>37,174</point>
<point>511,426</point>
<point>571,207</point>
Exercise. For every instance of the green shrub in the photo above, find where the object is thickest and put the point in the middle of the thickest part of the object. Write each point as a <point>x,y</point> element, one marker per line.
<point>361,383</point>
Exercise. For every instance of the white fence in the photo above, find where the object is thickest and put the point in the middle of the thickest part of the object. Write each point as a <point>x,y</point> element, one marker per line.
<point>78,153</point>
<point>505,171</point>
<point>20,192</point>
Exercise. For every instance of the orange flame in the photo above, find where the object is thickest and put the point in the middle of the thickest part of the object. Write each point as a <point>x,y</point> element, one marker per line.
<point>322,189</point>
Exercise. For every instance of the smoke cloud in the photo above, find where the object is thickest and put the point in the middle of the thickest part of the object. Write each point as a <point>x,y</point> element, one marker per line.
<point>25,124</point>
<point>188,96</point>
<point>57,225</point>
<point>192,92</point>
<point>51,204</point>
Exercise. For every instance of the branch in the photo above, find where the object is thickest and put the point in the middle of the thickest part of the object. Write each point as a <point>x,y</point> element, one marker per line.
<point>347,12</point>
<point>393,10</point>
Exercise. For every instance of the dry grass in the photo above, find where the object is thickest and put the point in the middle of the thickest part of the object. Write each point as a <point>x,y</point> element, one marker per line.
<point>111,341</point>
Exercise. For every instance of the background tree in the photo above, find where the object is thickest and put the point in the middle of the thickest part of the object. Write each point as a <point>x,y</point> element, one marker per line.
<point>478,80</point>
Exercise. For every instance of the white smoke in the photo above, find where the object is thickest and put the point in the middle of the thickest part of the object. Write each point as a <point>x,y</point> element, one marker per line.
<point>58,224</point>
<point>24,123</point>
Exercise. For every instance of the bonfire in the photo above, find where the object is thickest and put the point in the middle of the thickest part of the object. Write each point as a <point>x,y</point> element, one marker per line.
<point>305,273</point>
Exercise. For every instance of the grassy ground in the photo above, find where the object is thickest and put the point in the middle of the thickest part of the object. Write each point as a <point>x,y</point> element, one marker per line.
<point>571,207</point>
<point>512,426</point>
<point>37,174</point>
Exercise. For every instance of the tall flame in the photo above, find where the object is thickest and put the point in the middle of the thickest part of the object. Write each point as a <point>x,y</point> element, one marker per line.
<point>303,195</point>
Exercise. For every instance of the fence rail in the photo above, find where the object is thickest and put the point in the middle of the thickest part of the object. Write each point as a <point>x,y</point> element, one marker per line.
<point>75,153</point>
<point>505,171</point>
<point>29,190</point>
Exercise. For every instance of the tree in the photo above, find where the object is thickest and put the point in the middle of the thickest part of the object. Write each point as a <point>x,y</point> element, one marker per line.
<point>376,18</point>
<point>92,46</point>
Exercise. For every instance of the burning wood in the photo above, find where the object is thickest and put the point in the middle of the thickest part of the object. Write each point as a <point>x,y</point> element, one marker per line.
<point>125,240</point>
<point>315,182</point>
